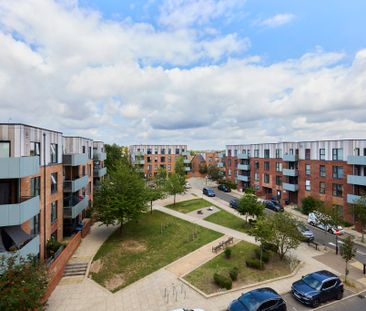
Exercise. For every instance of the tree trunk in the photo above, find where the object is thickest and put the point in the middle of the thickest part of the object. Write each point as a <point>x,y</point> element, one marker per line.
<point>345,274</point>
<point>362,234</point>
<point>174,198</point>
<point>151,207</point>
<point>121,227</point>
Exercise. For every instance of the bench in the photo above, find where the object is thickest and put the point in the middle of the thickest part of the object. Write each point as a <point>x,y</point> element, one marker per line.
<point>313,243</point>
<point>222,244</point>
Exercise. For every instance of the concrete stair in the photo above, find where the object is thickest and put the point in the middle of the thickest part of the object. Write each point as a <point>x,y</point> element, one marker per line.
<point>75,269</point>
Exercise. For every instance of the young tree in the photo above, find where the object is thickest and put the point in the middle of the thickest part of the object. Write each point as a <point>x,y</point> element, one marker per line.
<point>359,211</point>
<point>249,205</point>
<point>156,188</point>
<point>121,197</point>
<point>203,168</point>
<point>249,190</point>
<point>262,233</point>
<point>310,204</point>
<point>179,167</point>
<point>348,253</point>
<point>114,156</point>
<point>23,283</point>
<point>175,185</point>
<point>214,172</point>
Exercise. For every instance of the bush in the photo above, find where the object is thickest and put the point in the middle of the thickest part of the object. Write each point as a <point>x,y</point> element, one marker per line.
<point>346,224</point>
<point>52,246</point>
<point>228,183</point>
<point>309,204</point>
<point>234,273</point>
<point>223,281</point>
<point>266,255</point>
<point>269,247</point>
<point>254,263</point>
<point>227,252</point>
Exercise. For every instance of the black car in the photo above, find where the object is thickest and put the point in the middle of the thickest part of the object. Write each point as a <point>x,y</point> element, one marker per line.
<point>234,203</point>
<point>273,205</point>
<point>261,299</point>
<point>317,287</point>
<point>224,188</point>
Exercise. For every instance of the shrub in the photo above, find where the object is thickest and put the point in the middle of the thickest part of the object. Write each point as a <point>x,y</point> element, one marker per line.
<point>229,183</point>
<point>254,263</point>
<point>269,247</point>
<point>310,204</point>
<point>222,281</point>
<point>227,252</point>
<point>234,273</point>
<point>52,246</point>
<point>266,255</point>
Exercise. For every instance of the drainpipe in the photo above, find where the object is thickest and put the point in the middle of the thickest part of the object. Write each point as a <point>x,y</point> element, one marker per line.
<point>44,194</point>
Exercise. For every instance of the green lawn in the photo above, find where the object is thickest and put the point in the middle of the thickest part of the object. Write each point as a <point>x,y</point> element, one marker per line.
<point>229,220</point>
<point>141,249</point>
<point>190,205</point>
<point>202,277</point>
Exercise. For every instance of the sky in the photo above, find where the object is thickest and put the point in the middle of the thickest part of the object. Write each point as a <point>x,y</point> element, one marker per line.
<point>205,73</point>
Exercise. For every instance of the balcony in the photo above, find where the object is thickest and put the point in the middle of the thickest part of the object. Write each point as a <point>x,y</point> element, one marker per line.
<point>290,172</point>
<point>74,205</point>
<point>356,160</point>
<point>32,247</point>
<point>352,198</point>
<point>100,172</point>
<point>186,161</point>
<point>356,180</point>
<point>100,156</point>
<point>243,167</point>
<point>76,184</point>
<point>18,167</point>
<point>187,169</point>
<point>75,159</point>
<point>243,178</point>
<point>221,165</point>
<point>290,187</point>
<point>290,158</point>
<point>186,153</point>
<point>18,213</point>
<point>243,156</point>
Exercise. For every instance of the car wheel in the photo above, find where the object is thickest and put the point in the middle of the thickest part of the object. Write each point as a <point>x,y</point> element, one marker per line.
<point>339,295</point>
<point>316,303</point>
<point>311,223</point>
<point>330,231</point>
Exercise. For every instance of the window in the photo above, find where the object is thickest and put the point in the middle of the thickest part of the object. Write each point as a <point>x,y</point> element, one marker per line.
<point>256,153</point>
<point>169,159</point>
<point>53,182</point>
<point>53,212</point>
<point>34,225</point>
<point>291,151</point>
<point>266,178</point>
<point>156,159</point>
<point>278,153</point>
<point>90,153</point>
<point>307,169</point>
<point>278,180</point>
<point>149,167</point>
<point>4,149</point>
<point>278,167</point>
<point>338,190</point>
<point>266,166</point>
<point>338,172</point>
<point>256,165</point>
<point>156,151</point>
<point>53,151</point>
<point>148,151</point>
<point>84,149</point>
<point>162,150</point>
<point>177,151</point>
<point>90,169</point>
<point>229,162</point>
<point>329,284</point>
<point>307,185</point>
<point>356,151</point>
<point>307,154</point>
<point>162,159</point>
<point>266,153</point>
<point>322,170</point>
<point>229,172</point>
<point>155,167</point>
<point>83,170</point>
<point>35,186</point>
<point>322,187</point>
<point>256,176</point>
<point>169,167</point>
<point>322,154</point>
<point>35,149</point>
<point>235,153</point>
<point>337,154</point>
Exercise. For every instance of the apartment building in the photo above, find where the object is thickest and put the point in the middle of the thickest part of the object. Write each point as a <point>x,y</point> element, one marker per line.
<point>333,171</point>
<point>99,156</point>
<point>31,209</point>
<point>78,180</point>
<point>149,158</point>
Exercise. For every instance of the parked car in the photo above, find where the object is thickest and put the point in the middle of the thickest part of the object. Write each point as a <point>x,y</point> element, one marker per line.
<point>263,299</point>
<point>306,233</point>
<point>185,309</point>
<point>187,185</point>
<point>317,287</point>
<point>313,219</point>
<point>234,203</point>
<point>224,188</point>
<point>276,207</point>
<point>208,191</point>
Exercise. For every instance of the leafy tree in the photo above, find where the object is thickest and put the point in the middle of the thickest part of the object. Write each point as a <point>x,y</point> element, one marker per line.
<point>310,204</point>
<point>114,156</point>
<point>349,251</point>
<point>262,233</point>
<point>121,197</point>
<point>249,205</point>
<point>214,172</point>
<point>359,210</point>
<point>203,168</point>
<point>175,185</point>
<point>249,190</point>
<point>23,283</point>
<point>179,167</point>
<point>156,188</point>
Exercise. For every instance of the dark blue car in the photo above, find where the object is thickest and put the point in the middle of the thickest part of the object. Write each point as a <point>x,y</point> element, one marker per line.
<point>234,203</point>
<point>317,287</point>
<point>209,192</point>
<point>263,299</point>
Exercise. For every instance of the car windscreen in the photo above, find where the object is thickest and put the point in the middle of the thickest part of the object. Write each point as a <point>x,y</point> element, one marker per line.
<point>312,282</point>
<point>249,301</point>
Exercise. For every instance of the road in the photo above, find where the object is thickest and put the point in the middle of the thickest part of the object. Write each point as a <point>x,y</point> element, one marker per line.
<point>355,303</point>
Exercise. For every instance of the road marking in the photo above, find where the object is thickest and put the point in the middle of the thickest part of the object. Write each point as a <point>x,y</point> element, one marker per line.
<point>361,253</point>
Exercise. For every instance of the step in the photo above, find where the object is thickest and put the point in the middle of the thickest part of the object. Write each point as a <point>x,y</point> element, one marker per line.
<point>77,265</point>
<point>74,274</point>
<point>75,269</point>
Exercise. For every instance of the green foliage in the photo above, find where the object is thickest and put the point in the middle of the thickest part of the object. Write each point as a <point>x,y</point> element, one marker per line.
<point>249,205</point>
<point>52,246</point>
<point>114,156</point>
<point>233,272</point>
<point>309,204</point>
<point>229,183</point>
<point>359,210</point>
<point>179,167</point>
<point>23,283</point>
<point>203,168</point>
<point>121,197</point>
<point>223,281</point>
<point>227,252</point>
<point>254,263</point>
<point>175,184</point>
<point>266,255</point>
<point>213,172</point>
<point>348,252</point>
<point>249,190</point>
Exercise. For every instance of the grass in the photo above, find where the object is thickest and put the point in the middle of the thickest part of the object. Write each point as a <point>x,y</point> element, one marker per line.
<point>141,248</point>
<point>202,277</point>
<point>190,205</point>
<point>229,220</point>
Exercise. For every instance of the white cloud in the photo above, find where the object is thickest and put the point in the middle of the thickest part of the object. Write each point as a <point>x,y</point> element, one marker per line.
<point>276,20</point>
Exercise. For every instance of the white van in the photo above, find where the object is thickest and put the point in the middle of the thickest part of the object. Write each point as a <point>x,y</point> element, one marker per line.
<point>313,220</point>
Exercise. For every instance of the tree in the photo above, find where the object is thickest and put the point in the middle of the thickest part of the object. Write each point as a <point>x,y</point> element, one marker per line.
<point>262,233</point>
<point>23,283</point>
<point>214,172</point>
<point>175,185</point>
<point>114,156</point>
<point>348,253</point>
<point>121,197</point>
<point>156,188</point>
<point>179,167</point>
<point>249,190</point>
<point>203,168</point>
<point>249,205</point>
<point>359,210</point>
<point>310,204</point>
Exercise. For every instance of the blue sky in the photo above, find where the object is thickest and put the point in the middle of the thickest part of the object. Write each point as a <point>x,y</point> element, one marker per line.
<point>200,72</point>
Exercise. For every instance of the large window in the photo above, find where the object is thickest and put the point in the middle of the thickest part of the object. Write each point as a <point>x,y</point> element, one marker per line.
<point>53,151</point>
<point>266,153</point>
<point>278,153</point>
<point>256,176</point>
<point>266,178</point>
<point>307,170</point>
<point>338,172</point>
<point>266,166</point>
<point>307,185</point>
<point>177,151</point>
<point>278,167</point>
<point>256,165</point>
<point>53,182</point>
<point>307,154</point>
<point>337,154</point>
<point>90,153</point>
<point>53,212</point>
<point>4,149</point>
<point>322,187</point>
<point>256,153</point>
<point>322,154</point>
<point>35,186</point>
<point>35,149</point>
<point>278,180</point>
<point>338,190</point>
<point>322,171</point>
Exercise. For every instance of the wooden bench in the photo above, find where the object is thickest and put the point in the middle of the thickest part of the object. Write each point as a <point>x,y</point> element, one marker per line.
<point>222,244</point>
<point>313,243</point>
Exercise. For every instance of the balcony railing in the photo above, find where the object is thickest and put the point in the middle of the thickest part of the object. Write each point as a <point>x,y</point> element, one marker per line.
<point>99,156</point>
<point>290,157</point>
<point>100,172</point>
<point>243,178</point>
<point>243,156</point>
<point>243,167</point>
<point>30,248</point>
<point>356,180</point>
<point>186,161</point>
<point>18,167</point>
<point>356,160</point>
<point>74,205</point>
<point>75,159</point>
<point>290,172</point>
<point>290,187</point>
<point>352,198</point>
<point>76,184</point>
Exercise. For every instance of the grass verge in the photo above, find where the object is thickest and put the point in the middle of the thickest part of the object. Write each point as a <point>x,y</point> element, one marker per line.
<point>189,206</point>
<point>229,220</point>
